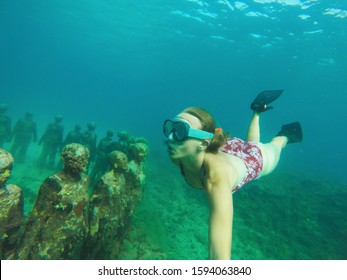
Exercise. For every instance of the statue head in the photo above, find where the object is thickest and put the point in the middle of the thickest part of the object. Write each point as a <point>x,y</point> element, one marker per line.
<point>75,158</point>
<point>138,151</point>
<point>118,160</point>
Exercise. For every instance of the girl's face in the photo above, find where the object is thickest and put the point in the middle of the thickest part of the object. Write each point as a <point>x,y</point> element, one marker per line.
<point>187,148</point>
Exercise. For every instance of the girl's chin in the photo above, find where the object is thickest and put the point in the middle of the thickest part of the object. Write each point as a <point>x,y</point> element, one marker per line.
<point>171,152</point>
<point>173,155</point>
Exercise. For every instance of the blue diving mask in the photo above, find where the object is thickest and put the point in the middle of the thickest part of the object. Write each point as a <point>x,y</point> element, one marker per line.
<point>181,130</point>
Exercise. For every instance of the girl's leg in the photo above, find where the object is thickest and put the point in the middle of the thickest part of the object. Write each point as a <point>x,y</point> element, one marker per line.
<point>271,153</point>
<point>253,132</point>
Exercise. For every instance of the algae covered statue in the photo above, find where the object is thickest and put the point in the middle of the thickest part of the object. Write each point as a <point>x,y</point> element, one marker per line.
<point>108,210</point>
<point>136,171</point>
<point>11,209</point>
<point>124,140</point>
<point>58,223</point>
<point>138,153</point>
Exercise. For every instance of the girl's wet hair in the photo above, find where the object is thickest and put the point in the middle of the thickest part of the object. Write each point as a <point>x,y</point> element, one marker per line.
<point>209,124</point>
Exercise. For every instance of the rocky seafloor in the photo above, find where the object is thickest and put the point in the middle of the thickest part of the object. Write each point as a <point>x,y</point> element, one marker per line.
<point>282,216</point>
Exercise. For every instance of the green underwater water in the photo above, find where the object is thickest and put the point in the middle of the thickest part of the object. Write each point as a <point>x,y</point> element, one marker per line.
<point>132,64</point>
<point>282,216</point>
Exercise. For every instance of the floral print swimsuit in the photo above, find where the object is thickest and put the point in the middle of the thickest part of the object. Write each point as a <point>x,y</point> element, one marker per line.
<point>250,153</point>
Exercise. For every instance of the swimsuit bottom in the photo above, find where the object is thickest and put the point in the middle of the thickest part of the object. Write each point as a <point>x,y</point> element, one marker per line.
<point>250,153</point>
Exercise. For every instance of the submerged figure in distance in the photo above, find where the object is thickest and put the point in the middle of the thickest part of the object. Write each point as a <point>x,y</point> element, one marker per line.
<point>24,132</point>
<point>210,160</point>
<point>52,141</point>
<point>88,139</point>
<point>73,136</point>
<point>103,149</point>
<point>5,125</point>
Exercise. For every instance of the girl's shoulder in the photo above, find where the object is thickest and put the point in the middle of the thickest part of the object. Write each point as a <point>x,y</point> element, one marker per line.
<point>216,165</point>
<point>219,170</point>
